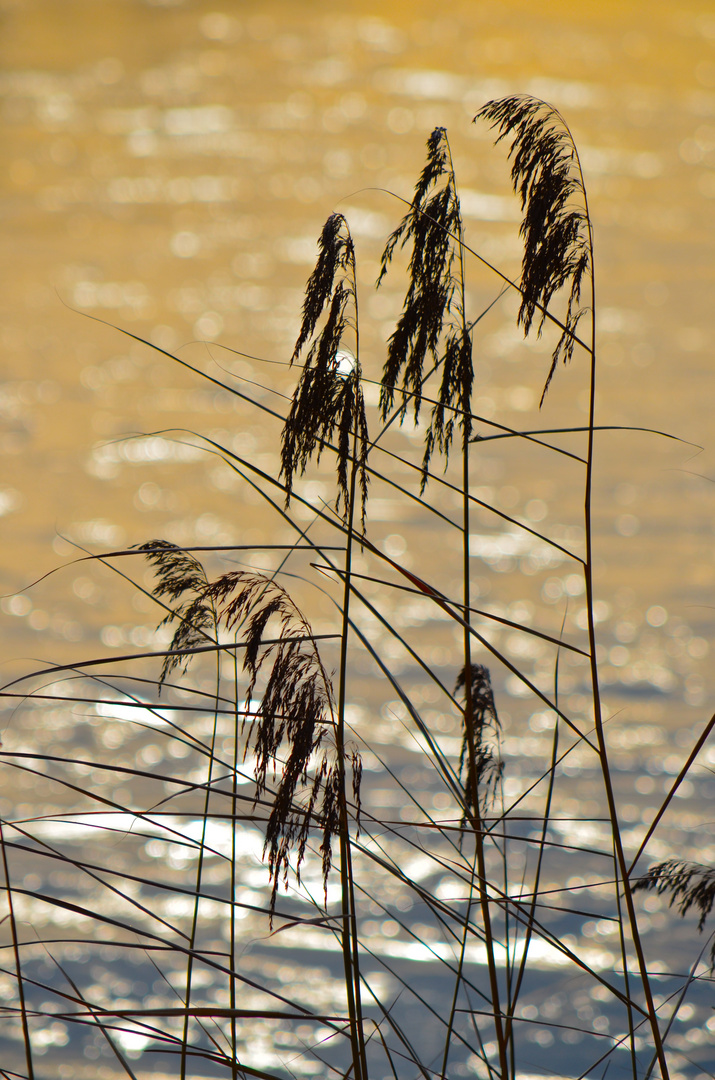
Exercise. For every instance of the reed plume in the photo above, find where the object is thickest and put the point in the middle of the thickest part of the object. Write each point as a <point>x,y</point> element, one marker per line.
<point>328,402</point>
<point>292,724</point>
<point>484,769</point>
<point>546,175</point>
<point>691,885</point>
<point>433,322</point>
<point>181,577</point>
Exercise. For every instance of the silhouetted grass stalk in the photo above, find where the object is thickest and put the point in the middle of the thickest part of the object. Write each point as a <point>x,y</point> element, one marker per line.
<point>622,867</point>
<point>350,941</point>
<point>200,862</point>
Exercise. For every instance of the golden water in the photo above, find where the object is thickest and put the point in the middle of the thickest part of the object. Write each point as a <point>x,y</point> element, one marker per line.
<point>167,167</point>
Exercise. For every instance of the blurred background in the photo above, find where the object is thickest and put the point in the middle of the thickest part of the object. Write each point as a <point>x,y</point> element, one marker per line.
<point>166,169</point>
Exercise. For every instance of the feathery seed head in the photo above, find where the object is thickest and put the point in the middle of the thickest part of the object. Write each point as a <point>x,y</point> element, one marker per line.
<point>484,768</point>
<point>328,401</point>
<point>546,175</point>
<point>181,577</point>
<point>690,885</point>
<point>292,726</point>
<point>433,304</point>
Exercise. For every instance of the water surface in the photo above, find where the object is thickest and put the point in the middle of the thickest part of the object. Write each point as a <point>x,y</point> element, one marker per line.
<point>167,168</point>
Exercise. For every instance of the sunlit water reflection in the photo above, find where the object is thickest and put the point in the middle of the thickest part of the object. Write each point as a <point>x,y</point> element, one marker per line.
<point>168,169</point>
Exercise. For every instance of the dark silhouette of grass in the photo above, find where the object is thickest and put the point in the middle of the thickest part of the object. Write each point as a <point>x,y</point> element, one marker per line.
<point>258,746</point>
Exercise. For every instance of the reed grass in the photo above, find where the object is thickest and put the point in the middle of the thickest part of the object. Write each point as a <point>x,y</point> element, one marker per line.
<point>139,924</point>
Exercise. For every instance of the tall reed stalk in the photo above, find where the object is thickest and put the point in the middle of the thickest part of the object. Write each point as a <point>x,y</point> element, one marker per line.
<point>428,952</point>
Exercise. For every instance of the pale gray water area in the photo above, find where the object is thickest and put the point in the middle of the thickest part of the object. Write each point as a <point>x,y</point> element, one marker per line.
<point>167,167</point>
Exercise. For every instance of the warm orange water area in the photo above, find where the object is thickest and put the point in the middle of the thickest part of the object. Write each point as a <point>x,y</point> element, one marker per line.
<point>167,167</point>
